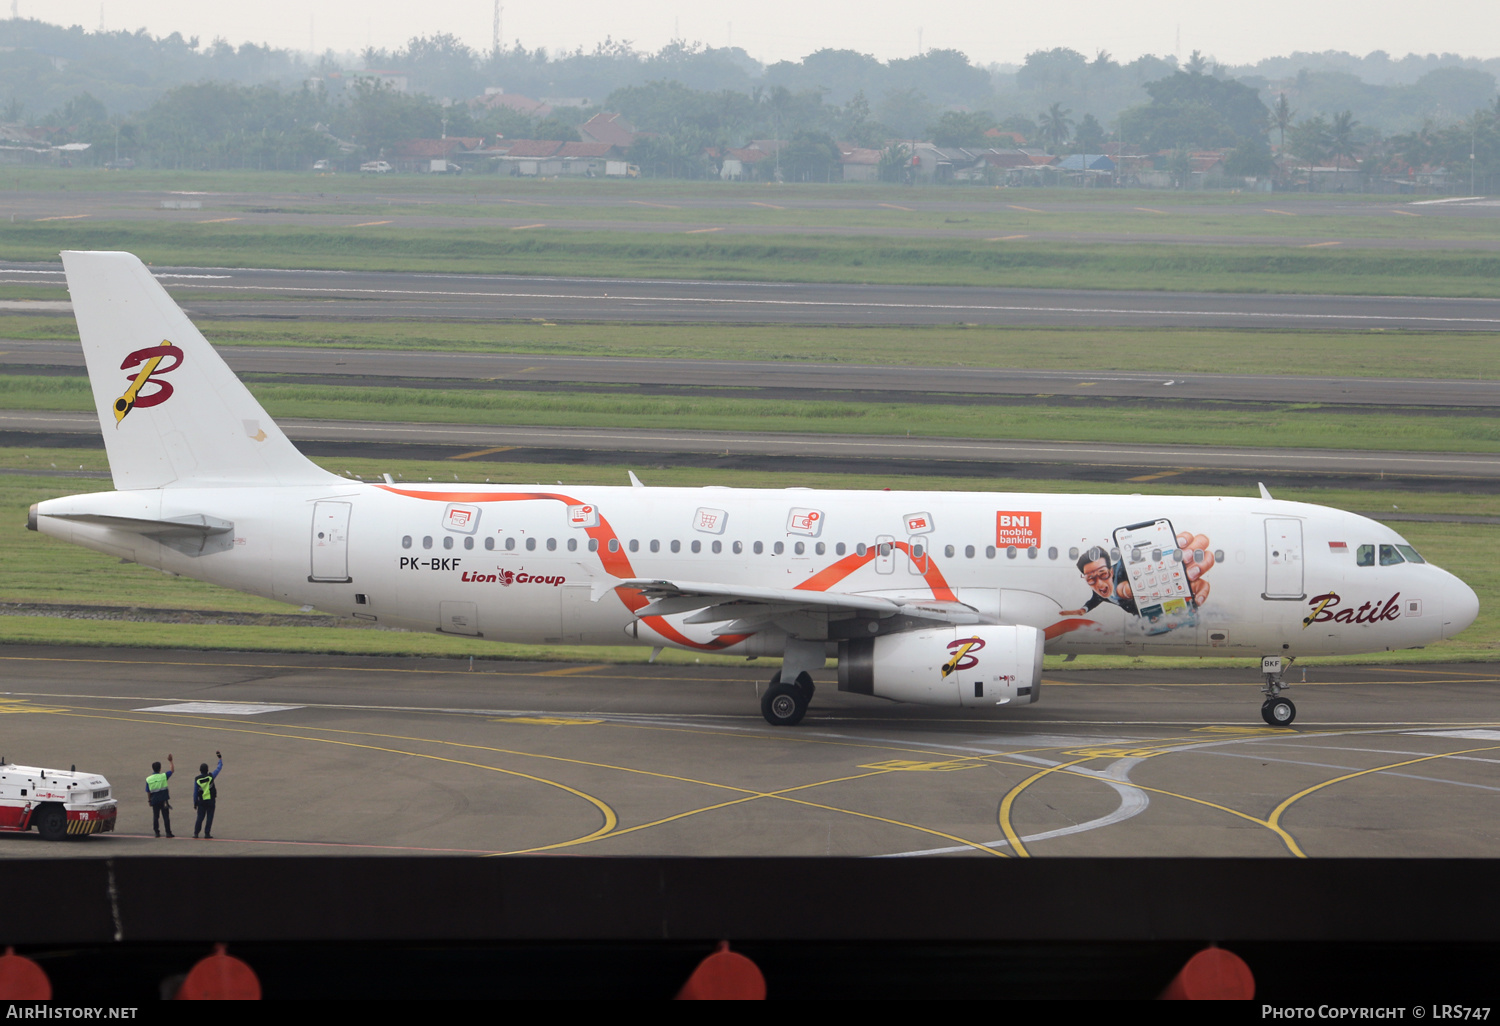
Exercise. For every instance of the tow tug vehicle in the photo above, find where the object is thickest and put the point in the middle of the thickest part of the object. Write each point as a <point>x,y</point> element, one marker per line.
<point>59,803</point>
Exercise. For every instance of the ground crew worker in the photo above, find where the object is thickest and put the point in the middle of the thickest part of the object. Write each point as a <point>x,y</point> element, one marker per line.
<point>205,796</point>
<point>160,797</point>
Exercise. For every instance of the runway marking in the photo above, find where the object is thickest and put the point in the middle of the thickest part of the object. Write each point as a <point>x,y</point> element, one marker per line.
<point>221,220</point>
<point>218,709</point>
<point>1316,245</point>
<point>368,224</point>
<point>700,231</point>
<point>772,206</point>
<point>20,705</point>
<point>526,203</point>
<point>908,765</point>
<point>1120,753</point>
<point>895,206</point>
<point>1284,213</point>
<point>544,721</point>
<point>647,203</point>
<point>1248,730</point>
<point>523,227</point>
<point>1007,238</point>
<point>1150,210</point>
<point>1471,735</point>
<point>1009,801</point>
<point>855,304</point>
<point>1406,213</point>
<point>1276,813</point>
<point>1029,210</point>
<point>63,217</point>
<point>483,452</point>
<point>568,671</point>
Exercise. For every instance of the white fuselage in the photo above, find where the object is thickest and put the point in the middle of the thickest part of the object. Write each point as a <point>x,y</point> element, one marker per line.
<point>540,564</point>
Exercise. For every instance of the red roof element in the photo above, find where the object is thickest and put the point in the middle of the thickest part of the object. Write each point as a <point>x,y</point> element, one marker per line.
<point>586,149</point>
<point>608,128</point>
<point>514,101</point>
<point>534,148</point>
<point>428,149</point>
<point>1016,137</point>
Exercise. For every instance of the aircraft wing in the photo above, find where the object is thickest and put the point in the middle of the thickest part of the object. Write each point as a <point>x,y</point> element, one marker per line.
<point>740,609</point>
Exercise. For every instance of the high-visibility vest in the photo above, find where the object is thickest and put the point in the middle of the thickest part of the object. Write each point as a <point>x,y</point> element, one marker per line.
<point>156,782</point>
<point>206,790</point>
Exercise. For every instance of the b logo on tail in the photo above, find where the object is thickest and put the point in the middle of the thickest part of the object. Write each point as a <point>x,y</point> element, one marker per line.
<point>152,359</point>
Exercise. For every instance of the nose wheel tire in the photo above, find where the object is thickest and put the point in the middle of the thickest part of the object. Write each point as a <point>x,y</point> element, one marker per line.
<point>1278,712</point>
<point>784,705</point>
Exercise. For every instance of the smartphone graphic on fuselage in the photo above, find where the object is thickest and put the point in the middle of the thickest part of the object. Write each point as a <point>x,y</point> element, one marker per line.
<point>1157,573</point>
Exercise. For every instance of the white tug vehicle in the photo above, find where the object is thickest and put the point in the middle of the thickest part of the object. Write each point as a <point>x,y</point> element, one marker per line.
<point>59,803</point>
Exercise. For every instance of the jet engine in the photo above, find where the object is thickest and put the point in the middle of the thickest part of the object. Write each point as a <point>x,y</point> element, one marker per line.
<point>965,666</point>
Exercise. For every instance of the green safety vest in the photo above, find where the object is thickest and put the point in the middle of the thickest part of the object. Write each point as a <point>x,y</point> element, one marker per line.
<point>205,788</point>
<point>156,782</point>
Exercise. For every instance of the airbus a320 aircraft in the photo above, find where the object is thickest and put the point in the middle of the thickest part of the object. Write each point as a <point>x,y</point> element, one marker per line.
<point>932,597</point>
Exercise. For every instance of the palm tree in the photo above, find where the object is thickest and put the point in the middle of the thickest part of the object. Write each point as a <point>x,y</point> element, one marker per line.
<point>1341,137</point>
<point>1282,115</point>
<point>1056,126</point>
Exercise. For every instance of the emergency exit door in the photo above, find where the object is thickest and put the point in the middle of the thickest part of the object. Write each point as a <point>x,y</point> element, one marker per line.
<point>330,542</point>
<point>1284,562</point>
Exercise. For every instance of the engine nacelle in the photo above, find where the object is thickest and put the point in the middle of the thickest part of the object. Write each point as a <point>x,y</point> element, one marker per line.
<point>967,666</point>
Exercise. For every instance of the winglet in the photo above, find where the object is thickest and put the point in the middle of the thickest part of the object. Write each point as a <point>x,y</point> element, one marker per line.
<point>635,482</point>
<point>1265,493</point>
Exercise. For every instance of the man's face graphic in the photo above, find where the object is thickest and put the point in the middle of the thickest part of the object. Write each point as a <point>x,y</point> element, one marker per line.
<point>1100,577</point>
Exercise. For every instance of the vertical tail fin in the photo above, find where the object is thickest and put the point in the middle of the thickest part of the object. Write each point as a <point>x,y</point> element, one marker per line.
<point>170,408</point>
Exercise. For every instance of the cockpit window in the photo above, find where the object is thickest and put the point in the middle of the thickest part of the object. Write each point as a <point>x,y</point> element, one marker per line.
<point>1389,556</point>
<point>1410,554</point>
<point>1365,556</point>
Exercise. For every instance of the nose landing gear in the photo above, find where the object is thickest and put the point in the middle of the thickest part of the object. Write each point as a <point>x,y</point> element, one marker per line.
<point>1275,710</point>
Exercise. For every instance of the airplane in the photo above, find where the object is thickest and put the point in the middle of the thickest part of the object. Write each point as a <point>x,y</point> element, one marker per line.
<point>939,598</point>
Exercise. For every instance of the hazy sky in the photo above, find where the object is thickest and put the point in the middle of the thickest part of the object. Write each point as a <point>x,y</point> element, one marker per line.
<point>773,30</point>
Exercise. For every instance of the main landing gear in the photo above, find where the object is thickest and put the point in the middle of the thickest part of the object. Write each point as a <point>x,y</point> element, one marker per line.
<point>784,704</point>
<point>1275,710</point>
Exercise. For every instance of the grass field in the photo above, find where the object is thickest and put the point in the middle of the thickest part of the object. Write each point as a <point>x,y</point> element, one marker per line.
<point>43,570</point>
<point>1349,354</point>
<point>1234,424</point>
<point>880,259</point>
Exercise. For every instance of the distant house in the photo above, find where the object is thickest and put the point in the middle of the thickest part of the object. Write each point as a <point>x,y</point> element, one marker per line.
<point>396,80</point>
<point>418,154</point>
<point>859,164</point>
<point>1087,162</point>
<point>608,128</point>
<point>1014,138</point>
<point>548,157</point>
<point>495,98</point>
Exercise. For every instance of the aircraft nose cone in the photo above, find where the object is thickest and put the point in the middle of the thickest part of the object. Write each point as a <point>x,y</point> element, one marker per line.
<point>1460,608</point>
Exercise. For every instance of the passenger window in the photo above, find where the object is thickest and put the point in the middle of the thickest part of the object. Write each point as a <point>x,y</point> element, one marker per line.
<point>860,550</point>
<point>1073,552</point>
<point>718,547</point>
<point>1032,551</point>
<point>918,551</point>
<point>489,543</point>
<point>593,544</point>
<point>469,542</point>
<point>738,547</point>
<point>697,546</point>
<point>1218,555</point>
<point>948,551</point>
<point>820,548</point>
<point>778,549</point>
<point>406,541</point>
<point>427,542</point>
<point>1052,552</point>
<point>1410,554</point>
<point>1389,556</point>
<point>798,548</point>
<point>759,548</point>
<point>989,552</point>
<point>530,544</point>
<point>510,544</point>
<point>1364,555</point>
<point>1010,552</point>
<point>551,544</point>
<point>655,545</point>
<point>676,545</point>
<point>572,544</point>
<point>447,541</point>
<point>885,548</point>
<point>838,550</point>
<point>968,552</point>
<point>614,545</point>
<point>635,546</point>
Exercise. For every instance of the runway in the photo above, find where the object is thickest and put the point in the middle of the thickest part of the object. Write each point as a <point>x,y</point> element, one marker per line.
<point>345,295</point>
<point>846,453</point>
<point>810,380</point>
<point>367,756</point>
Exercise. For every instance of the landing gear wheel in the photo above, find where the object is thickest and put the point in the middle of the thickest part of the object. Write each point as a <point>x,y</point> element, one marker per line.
<point>1278,712</point>
<point>52,823</point>
<point>805,683</point>
<point>783,705</point>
